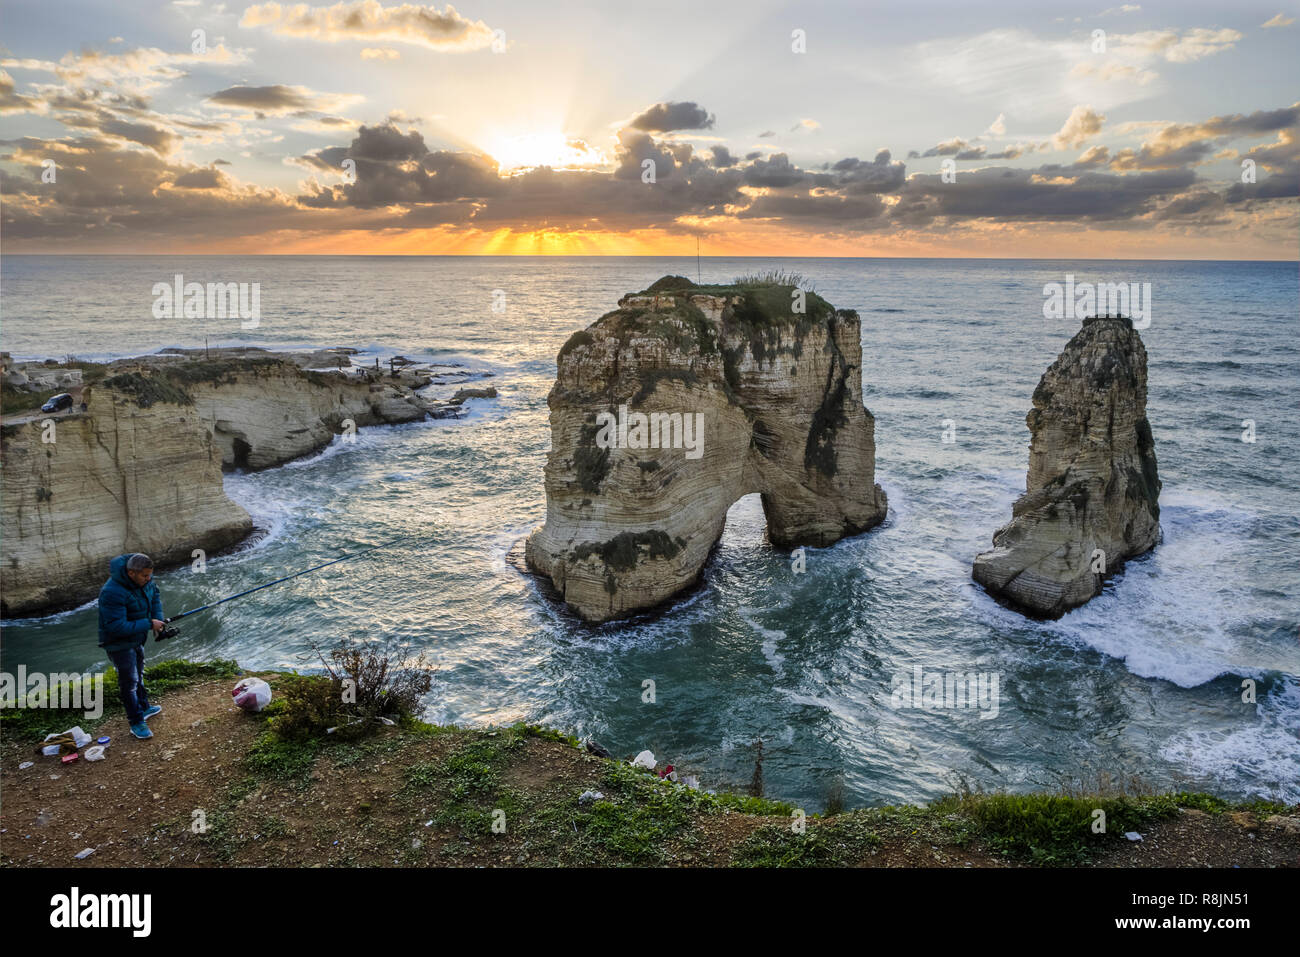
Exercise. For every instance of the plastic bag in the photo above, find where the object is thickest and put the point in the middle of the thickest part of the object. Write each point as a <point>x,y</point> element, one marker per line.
<point>79,739</point>
<point>252,694</point>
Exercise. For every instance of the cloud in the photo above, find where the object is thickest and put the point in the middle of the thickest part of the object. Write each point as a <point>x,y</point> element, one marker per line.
<point>1082,124</point>
<point>1094,157</point>
<point>1049,193</point>
<point>380,53</point>
<point>141,69</point>
<point>13,102</point>
<point>201,178</point>
<point>113,190</point>
<point>1174,47</point>
<point>1109,71</point>
<point>413,23</point>
<point>666,117</point>
<point>106,193</point>
<point>160,140</point>
<point>998,127</point>
<point>722,157</point>
<point>1178,144</point>
<point>1278,21</point>
<point>278,100</point>
<point>947,148</point>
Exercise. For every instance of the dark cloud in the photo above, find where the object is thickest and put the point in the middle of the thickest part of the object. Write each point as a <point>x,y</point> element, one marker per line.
<point>156,138</point>
<point>1049,193</point>
<point>666,117</point>
<point>1194,204</point>
<point>808,208</point>
<point>1282,161</point>
<point>393,167</point>
<point>265,99</point>
<point>855,176</point>
<point>634,148</point>
<point>121,178</point>
<point>776,172</point>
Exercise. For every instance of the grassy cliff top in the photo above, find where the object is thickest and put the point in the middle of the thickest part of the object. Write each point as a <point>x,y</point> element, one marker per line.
<point>767,298</point>
<point>419,794</point>
<point>169,382</point>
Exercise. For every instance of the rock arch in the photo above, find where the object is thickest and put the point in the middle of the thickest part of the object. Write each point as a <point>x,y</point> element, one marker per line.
<point>771,378</point>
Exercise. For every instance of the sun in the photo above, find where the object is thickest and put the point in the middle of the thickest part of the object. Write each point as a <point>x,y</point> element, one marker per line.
<point>553,149</point>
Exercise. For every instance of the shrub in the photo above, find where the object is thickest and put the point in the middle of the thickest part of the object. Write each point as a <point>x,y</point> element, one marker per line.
<point>360,686</point>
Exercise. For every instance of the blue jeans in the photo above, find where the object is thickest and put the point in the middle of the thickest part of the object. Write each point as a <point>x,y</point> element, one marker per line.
<point>130,682</point>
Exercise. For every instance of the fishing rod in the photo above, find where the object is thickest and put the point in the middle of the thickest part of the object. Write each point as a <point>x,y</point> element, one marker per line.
<point>171,632</point>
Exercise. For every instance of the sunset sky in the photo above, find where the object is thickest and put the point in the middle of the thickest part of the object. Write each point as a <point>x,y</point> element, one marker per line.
<point>519,127</point>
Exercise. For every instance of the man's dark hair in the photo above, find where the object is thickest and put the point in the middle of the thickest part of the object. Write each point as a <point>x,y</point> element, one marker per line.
<point>139,562</point>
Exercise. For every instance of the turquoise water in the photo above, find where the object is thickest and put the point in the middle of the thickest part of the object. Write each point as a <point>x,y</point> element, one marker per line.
<point>1145,680</point>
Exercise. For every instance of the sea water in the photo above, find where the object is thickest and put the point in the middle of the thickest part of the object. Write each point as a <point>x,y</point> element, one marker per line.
<point>1145,681</point>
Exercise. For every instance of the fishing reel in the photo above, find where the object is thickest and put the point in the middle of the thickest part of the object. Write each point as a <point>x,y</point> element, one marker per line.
<point>167,633</point>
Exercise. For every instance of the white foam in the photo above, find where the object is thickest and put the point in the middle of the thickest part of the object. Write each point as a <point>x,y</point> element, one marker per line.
<point>1262,758</point>
<point>1170,616</point>
<point>770,638</point>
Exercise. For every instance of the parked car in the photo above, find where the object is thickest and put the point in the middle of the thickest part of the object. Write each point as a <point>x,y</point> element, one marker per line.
<point>57,404</point>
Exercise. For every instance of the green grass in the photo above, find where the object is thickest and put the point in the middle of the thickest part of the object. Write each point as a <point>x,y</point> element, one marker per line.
<point>1052,829</point>
<point>839,842</point>
<point>159,679</point>
<point>622,552</point>
<point>14,401</point>
<point>276,759</point>
<point>146,390</point>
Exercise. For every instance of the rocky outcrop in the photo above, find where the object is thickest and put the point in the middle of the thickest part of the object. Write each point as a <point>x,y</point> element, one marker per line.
<point>267,411</point>
<point>140,469</point>
<point>1091,496</point>
<point>132,473</point>
<point>667,410</point>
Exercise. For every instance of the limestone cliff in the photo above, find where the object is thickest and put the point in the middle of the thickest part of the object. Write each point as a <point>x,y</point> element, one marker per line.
<point>745,388</point>
<point>138,471</point>
<point>1091,496</point>
<point>267,411</point>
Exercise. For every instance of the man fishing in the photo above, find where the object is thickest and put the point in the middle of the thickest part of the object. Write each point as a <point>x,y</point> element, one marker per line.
<point>129,609</point>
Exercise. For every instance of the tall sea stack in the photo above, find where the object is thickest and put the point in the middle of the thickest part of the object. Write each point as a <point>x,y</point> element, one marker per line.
<point>673,406</point>
<point>1091,496</point>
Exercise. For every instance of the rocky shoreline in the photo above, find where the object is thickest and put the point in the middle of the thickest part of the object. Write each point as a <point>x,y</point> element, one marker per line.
<point>136,463</point>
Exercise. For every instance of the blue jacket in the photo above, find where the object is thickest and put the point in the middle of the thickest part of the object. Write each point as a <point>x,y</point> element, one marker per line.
<point>125,609</point>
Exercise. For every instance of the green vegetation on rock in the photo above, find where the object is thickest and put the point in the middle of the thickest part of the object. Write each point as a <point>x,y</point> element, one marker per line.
<point>622,552</point>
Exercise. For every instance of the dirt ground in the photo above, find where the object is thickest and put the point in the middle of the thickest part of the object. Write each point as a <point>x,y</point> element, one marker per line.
<point>187,797</point>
